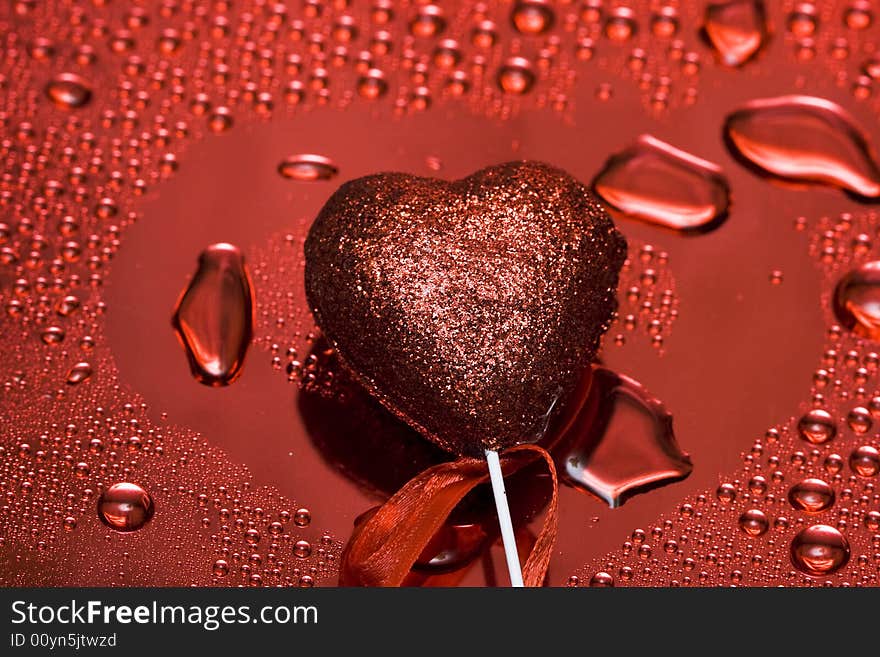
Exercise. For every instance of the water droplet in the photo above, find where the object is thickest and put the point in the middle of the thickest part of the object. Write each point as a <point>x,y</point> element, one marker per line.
<point>602,580</point>
<point>856,300</point>
<point>125,507</point>
<point>661,184</point>
<point>372,85</point>
<point>754,522</point>
<point>429,22</point>
<point>69,91</point>
<point>452,547</point>
<point>621,442</point>
<point>819,550</point>
<point>516,76</point>
<point>308,168</point>
<point>302,549</point>
<point>859,15</point>
<point>302,517</point>
<point>532,16</point>
<point>811,495</point>
<point>865,461</point>
<point>220,568</point>
<point>859,420</point>
<point>806,140</point>
<point>737,29</point>
<point>79,373</point>
<point>214,316</point>
<point>220,119</point>
<point>803,21</point>
<point>621,24</point>
<point>817,427</point>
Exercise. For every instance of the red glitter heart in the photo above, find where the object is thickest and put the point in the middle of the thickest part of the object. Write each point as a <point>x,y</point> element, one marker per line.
<point>470,308</point>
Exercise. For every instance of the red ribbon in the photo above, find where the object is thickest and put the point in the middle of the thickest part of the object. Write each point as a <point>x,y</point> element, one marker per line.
<point>384,548</point>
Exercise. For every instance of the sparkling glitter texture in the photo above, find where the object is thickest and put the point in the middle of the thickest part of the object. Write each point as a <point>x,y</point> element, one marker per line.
<point>469,308</point>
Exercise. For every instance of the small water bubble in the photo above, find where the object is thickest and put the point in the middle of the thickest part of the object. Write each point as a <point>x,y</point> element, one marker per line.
<point>302,549</point>
<point>220,568</point>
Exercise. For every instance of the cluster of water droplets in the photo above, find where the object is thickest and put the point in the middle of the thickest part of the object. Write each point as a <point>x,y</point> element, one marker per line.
<point>100,103</point>
<point>805,507</point>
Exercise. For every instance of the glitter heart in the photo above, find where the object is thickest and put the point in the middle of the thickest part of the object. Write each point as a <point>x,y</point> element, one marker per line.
<point>471,308</point>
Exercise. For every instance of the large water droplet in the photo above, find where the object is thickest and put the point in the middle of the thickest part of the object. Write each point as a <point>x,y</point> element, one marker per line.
<point>811,495</point>
<point>804,139</point>
<point>661,184</point>
<point>214,316</point>
<point>308,168</point>
<point>737,29</point>
<point>125,507</point>
<point>856,301</point>
<point>68,91</point>
<point>817,427</point>
<point>819,550</point>
<point>621,442</point>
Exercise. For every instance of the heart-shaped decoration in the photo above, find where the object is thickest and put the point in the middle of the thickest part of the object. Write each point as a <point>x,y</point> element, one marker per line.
<point>471,308</point>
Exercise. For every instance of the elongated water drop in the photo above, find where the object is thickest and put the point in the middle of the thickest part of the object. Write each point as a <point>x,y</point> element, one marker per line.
<point>214,316</point>
<point>621,442</point>
<point>736,29</point>
<point>804,139</point>
<point>68,91</point>
<point>308,168</point>
<point>656,182</point>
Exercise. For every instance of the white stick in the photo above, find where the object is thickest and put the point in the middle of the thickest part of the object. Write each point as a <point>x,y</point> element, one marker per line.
<point>497,477</point>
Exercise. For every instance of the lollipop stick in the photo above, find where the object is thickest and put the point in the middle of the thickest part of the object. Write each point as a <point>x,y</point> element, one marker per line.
<point>497,477</point>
